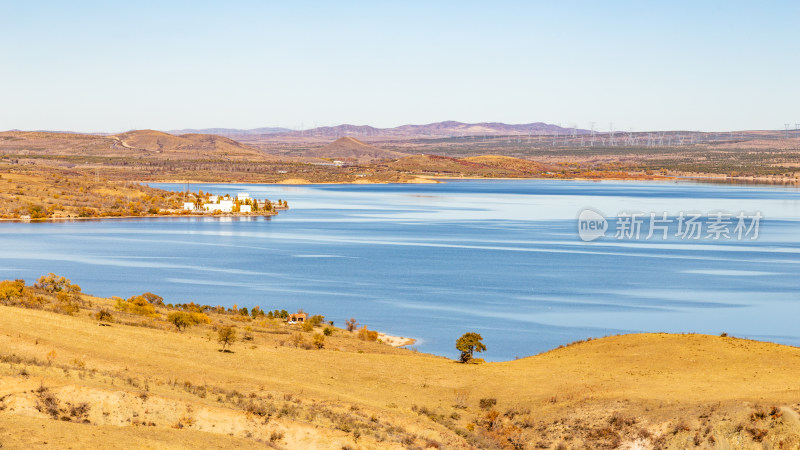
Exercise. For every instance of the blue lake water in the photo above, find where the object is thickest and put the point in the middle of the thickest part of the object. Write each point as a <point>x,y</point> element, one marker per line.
<point>502,258</point>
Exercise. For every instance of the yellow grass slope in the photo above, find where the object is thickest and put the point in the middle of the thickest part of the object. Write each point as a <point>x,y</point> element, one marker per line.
<point>648,390</point>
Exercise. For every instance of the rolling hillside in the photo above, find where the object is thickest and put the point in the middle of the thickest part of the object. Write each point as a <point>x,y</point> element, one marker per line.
<point>187,145</point>
<point>136,144</point>
<point>58,386</point>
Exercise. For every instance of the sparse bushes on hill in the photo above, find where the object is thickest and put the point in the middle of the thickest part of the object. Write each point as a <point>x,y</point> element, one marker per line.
<point>67,294</point>
<point>487,403</point>
<point>48,403</point>
<point>282,314</point>
<point>319,341</point>
<point>52,283</point>
<point>351,324</point>
<point>136,305</point>
<point>104,315</point>
<point>59,294</point>
<point>67,303</point>
<point>298,340</point>
<point>256,312</point>
<point>182,319</point>
<point>316,320</point>
<point>11,290</point>
<point>38,212</point>
<point>153,298</point>
<point>194,307</point>
<point>367,335</point>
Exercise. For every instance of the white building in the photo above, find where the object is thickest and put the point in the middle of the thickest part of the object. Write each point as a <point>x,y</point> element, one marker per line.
<point>245,208</point>
<point>222,206</point>
<point>225,205</point>
<point>243,196</point>
<point>212,199</point>
<point>188,206</point>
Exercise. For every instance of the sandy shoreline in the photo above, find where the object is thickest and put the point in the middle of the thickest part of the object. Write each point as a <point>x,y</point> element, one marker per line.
<point>396,341</point>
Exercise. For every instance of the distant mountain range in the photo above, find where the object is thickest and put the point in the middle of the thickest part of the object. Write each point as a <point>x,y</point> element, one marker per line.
<point>231,131</point>
<point>431,130</point>
<point>349,148</point>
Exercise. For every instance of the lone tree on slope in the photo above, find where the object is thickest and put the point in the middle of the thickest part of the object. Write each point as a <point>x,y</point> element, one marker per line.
<point>469,343</point>
<point>226,336</point>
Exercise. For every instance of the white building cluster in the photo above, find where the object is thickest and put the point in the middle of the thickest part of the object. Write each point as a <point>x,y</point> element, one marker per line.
<point>225,204</point>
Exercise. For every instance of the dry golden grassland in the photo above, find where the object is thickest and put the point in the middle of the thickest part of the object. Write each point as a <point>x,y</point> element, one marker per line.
<point>51,193</point>
<point>134,380</point>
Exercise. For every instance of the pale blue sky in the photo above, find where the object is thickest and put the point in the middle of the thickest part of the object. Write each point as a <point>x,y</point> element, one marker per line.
<point>112,66</point>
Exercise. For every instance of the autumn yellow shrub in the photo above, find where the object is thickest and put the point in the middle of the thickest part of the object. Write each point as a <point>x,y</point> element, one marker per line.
<point>104,315</point>
<point>11,290</point>
<point>181,319</point>
<point>367,335</point>
<point>136,305</point>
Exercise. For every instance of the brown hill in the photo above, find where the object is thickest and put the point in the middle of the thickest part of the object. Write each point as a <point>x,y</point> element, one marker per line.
<point>137,143</point>
<point>435,163</point>
<point>523,166</point>
<point>155,141</point>
<point>479,166</point>
<point>188,144</point>
<point>348,148</point>
<point>42,142</point>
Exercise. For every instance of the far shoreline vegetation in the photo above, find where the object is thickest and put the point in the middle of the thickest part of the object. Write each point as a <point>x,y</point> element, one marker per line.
<point>54,176</point>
